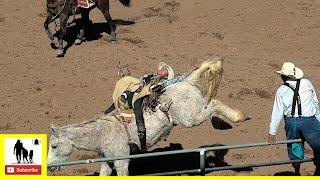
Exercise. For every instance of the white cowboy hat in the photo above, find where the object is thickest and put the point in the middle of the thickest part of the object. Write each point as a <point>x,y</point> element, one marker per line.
<point>290,70</point>
<point>170,70</point>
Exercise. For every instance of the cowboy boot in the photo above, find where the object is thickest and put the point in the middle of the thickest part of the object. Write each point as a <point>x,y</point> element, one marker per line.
<point>143,141</point>
<point>296,167</point>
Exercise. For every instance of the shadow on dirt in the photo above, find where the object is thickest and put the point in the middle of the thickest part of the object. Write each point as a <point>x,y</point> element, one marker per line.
<point>93,31</point>
<point>220,124</point>
<point>286,173</point>
<point>177,162</point>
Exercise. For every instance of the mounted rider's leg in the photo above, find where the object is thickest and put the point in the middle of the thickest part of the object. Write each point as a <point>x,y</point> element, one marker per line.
<point>140,124</point>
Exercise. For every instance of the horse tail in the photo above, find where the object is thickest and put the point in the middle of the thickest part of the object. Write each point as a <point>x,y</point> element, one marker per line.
<point>126,3</point>
<point>212,69</point>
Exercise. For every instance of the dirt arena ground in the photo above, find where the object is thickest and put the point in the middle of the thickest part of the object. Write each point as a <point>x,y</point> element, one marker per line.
<point>38,89</point>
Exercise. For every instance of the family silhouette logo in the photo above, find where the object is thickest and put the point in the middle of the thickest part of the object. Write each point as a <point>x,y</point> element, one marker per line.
<point>23,156</point>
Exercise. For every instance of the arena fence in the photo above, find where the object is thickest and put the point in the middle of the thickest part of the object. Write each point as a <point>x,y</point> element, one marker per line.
<point>202,158</point>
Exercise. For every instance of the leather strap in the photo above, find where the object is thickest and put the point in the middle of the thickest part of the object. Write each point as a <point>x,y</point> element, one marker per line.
<point>296,98</point>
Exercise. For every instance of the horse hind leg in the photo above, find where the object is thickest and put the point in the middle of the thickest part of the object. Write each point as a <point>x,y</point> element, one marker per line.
<point>104,8</point>
<point>222,110</point>
<point>105,169</point>
<point>46,27</point>
<point>84,22</point>
<point>122,167</point>
<point>54,40</point>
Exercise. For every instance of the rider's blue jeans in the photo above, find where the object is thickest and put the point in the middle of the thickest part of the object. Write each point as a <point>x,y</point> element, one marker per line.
<point>306,128</point>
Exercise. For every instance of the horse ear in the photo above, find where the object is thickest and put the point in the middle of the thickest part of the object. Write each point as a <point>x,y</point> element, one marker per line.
<point>223,58</point>
<point>52,128</point>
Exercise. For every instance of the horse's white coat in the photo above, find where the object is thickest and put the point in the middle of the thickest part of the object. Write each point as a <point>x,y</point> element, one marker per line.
<point>107,136</point>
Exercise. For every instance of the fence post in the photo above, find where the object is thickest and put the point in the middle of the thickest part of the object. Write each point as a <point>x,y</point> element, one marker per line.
<point>202,162</point>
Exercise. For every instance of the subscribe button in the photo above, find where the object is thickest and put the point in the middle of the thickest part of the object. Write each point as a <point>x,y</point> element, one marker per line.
<point>23,169</point>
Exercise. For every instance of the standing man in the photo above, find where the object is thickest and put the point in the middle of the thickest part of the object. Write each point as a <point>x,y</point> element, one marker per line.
<point>296,101</point>
<point>17,150</point>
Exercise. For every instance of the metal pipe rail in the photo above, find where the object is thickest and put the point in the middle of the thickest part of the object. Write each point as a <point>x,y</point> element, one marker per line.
<point>71,163</point>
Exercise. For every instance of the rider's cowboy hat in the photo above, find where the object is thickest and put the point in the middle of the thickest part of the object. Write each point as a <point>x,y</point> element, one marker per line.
<point>290,70</point>
<point>170,70</point>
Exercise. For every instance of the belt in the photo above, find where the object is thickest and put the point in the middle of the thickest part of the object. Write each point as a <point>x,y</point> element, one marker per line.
<point>285,116</point>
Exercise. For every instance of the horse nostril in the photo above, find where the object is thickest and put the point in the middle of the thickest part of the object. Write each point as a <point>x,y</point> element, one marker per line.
<point>54,146</point>
<point>51,169</point>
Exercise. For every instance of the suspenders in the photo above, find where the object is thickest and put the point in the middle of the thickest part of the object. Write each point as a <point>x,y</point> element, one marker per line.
<point>296,98</point>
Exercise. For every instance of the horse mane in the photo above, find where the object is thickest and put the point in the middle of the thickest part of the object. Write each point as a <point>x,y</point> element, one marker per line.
<point>84,123</point>
<point>212,69</point>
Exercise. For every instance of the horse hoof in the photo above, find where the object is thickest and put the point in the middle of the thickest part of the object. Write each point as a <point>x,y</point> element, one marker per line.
<point>54,43</point>
<point>240,117</point>
<point>113,41</point>
<point>78,42</point>
<point>60,53</point>
<point>53,46</point>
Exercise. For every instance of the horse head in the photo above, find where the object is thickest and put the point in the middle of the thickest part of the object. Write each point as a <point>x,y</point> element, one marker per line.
<point>60,147</point>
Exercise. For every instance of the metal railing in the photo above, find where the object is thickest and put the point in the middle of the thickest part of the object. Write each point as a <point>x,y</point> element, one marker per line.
<point>202,169</point>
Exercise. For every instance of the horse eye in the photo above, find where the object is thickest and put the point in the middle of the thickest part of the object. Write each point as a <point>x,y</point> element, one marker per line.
<point>54,146</point>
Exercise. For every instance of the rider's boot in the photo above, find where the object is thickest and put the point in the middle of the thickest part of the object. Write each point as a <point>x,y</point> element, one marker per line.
<point>143,141</point>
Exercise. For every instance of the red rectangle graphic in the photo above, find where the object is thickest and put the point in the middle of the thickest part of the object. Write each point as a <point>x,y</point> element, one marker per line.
<point>23,169</point>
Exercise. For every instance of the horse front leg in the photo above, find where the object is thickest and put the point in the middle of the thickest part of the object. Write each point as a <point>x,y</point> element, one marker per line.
<point>46,27</point>
<point>50,35</point>
<point>104,8</point>
<point>105,169</point>
<point>122,167</point>
<point>63,31</point>
<point>80,36</point>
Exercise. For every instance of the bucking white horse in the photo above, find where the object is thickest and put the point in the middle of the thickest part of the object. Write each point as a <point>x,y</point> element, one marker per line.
<point>186,105</point>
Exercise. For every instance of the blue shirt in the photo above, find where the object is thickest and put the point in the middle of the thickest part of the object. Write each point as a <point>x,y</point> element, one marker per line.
<point>283,103</point>
<point>165,82</point>
<point>177,79</point>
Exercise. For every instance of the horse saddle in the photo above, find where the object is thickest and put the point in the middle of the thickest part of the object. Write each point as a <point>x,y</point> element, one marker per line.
<point>85,3</point>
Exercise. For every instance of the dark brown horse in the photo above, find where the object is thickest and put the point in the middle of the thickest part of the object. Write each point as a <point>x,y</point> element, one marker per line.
<point>62,9</point>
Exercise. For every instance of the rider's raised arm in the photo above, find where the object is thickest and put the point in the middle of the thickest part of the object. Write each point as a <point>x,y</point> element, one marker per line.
<point>169,82</point>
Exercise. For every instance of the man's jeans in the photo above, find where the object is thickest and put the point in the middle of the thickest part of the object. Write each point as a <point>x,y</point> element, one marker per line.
<point>306,128</point>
